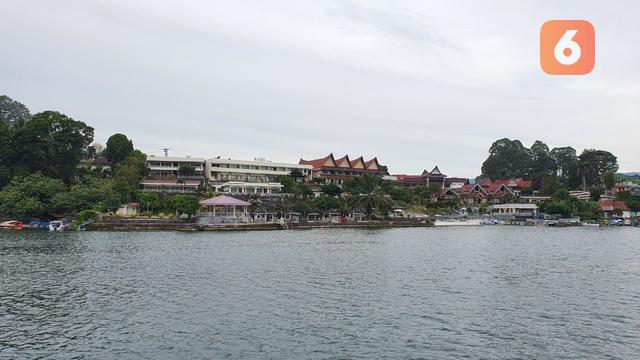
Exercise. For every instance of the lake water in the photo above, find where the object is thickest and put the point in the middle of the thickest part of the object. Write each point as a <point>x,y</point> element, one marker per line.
<point>432,293</point>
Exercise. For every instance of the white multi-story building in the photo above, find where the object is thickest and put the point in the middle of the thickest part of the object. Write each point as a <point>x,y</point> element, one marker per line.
<point>258,176</point>
<point>170,174</point>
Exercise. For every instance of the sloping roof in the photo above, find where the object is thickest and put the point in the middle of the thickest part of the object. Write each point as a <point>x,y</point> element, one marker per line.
<point>358,160</point>
<point>344,160</point>
<point>318,163</point>
<point>224,200</point>
<point>373,161</point>
<point>610,205</point>
<point>442,192</point>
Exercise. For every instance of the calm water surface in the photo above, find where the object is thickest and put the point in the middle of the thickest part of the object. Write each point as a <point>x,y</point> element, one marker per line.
<point>437,293</point>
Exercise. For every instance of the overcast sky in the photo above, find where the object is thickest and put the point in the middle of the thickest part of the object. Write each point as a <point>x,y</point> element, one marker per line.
<point>415,83</point>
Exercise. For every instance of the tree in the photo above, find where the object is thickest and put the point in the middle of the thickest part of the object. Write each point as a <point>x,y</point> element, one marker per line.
<point>183,204</point>
<point>366,184</point>
<point>566,160</point>
<point>118,148</point>
<point>12,112</point>
<point>331,190</point>
<point>296,175</point>
<point>542,161</point>
<point>288,185</point>
<point>507,159</point>
<point>29,196</point>
<point>128,174</point>
<point>91,194</point>
<point>186,170</point>
<point>51,143</point>
<point>609,179</point>
<point>593,163</point>
<point>545,183</point>
<point>370,202</point>
<point>149,201</point>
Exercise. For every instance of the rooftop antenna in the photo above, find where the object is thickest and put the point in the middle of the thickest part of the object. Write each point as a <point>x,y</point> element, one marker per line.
<point>166,152</point>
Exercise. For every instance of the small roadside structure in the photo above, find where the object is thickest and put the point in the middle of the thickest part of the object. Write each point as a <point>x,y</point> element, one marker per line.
<point>128,210</point>
<point>515,210</point>
<point>224,205</point>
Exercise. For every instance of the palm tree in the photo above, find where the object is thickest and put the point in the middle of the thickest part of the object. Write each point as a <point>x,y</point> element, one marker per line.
<point>370,202</point>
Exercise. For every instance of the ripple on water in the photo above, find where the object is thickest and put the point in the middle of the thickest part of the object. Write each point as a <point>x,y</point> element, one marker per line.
<point>481,292</point>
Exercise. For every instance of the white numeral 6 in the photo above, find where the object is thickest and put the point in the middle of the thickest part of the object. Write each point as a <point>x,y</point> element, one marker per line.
<point>566,42</point>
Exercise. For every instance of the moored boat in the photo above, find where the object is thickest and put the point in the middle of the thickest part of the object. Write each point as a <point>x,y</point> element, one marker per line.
<point>12,225</point>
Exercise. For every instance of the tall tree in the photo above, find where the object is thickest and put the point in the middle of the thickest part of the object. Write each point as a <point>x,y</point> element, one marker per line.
<point>12,112</point>
<point>566,160</point>
<point>507,159</point>
<point>592,164</point>
<point>128,174</point>
<point>118,148</point>
<point>542,161</point>
<point>52,143</point>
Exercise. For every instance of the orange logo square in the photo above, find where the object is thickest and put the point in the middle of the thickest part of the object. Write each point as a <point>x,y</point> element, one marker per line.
<point>567,47</point>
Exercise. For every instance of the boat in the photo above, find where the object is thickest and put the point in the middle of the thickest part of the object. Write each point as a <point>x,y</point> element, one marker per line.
<point>39,224</point>
<point>12,225</point>
<point>591,224</point>
<point>58,225</point>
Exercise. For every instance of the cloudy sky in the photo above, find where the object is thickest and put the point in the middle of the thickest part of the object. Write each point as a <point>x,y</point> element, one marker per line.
<point>415,83</point>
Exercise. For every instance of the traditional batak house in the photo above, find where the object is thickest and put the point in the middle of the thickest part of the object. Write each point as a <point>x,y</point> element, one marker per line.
<point>516,185</point>
<point>497,192</point>
<point>445,195</point>
<point>426,178</point>
<point>473,194</point>
<point>333,171</point>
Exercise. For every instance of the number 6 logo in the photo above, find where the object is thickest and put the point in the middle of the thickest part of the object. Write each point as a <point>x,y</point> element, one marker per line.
<point>567,47</point>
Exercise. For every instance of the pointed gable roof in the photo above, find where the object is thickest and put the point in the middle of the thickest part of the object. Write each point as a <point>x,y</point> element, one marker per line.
<point>435,171</point>
<point>343,162</point>
<point>372,164</point>
<point>445,192</point>
<point>327,161</point>
<point>470,189</point>
<point>358,163</point>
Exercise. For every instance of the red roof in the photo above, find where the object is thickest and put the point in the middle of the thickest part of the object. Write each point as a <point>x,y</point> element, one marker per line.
<point>170,182</point>
<point>320,163</point>
<point>317,163</point>
<point>610,205</point>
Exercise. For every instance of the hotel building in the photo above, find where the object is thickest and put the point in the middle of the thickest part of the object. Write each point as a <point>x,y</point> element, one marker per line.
<point>335,171</point>
<point>170,174</point>
<point>250,177</point>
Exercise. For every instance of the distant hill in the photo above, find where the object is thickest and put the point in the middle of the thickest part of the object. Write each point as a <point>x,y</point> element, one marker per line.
<point>12,112</point>
<point>631,174</point>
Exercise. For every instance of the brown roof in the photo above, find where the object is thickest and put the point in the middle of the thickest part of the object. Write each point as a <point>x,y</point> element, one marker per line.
<point>610,204</point>
<point>317,163</point>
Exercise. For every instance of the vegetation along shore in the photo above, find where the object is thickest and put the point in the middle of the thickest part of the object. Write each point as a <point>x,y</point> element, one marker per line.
<point>51,169</point>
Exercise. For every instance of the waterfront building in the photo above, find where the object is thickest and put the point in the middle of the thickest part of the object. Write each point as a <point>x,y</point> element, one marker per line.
<point>258,176</point>
<point>425,178</point>
<point>333,171</point>
<point>609,207</point>
<point>515,211</point>
<point>473,194</point>
<point>171,174</point>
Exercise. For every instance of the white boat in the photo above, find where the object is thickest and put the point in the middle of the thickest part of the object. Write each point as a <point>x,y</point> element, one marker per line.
<point>591,224</point>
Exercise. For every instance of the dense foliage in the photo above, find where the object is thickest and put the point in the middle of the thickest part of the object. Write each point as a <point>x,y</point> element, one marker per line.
<point>510,159</point>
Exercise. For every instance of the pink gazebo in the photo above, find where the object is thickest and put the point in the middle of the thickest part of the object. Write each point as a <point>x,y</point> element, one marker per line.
<point>226,202</point>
